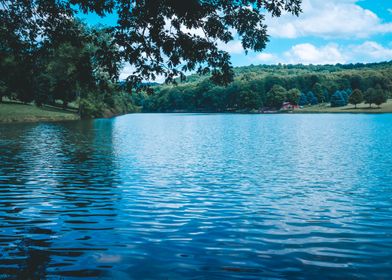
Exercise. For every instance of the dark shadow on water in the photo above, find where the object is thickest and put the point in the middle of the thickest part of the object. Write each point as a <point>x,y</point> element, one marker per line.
<point>57,196</point>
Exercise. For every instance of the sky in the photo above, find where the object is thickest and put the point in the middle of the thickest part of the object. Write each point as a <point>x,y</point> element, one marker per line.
<point>327,32</point>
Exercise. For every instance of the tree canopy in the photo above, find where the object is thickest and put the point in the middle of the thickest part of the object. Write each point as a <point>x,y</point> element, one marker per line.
<point>356,97</point>
<point>157,37</point>
<point>263,86</point>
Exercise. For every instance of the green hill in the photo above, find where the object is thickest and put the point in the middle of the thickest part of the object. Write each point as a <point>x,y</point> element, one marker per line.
<point>251,89</point>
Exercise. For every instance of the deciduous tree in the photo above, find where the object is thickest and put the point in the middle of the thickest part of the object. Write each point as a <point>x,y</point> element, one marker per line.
<point>380,96</point>
<point>356,97</point>
<point>276,96</point>
<point>157,37</point>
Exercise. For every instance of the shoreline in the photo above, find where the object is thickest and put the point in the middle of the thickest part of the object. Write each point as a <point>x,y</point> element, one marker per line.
<point>58,120</point>
<point>22,113</point>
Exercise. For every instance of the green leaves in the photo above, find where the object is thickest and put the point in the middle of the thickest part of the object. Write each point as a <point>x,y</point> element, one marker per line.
<point>355,97</point>
<point>157,37</point>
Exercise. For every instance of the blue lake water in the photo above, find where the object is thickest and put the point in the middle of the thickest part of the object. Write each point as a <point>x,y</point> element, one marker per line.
<point>201,196</point>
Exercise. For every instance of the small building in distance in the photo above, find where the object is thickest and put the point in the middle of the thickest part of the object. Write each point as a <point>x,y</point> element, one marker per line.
<point>287,106</point>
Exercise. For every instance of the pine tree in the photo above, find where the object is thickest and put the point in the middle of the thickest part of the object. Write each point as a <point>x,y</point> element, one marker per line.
<point>337,99</point>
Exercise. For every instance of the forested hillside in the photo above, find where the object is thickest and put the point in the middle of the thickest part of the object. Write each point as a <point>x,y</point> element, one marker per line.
<point>265,86</point>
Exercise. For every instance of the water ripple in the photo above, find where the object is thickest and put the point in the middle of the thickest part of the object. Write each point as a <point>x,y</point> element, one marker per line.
<point>178,196</point>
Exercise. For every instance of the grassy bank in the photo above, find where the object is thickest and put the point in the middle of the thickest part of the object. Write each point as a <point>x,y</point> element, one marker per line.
<point>361,108</point>
<point>17,112</point>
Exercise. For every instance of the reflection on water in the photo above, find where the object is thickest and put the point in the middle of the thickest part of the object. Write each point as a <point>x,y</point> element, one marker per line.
<point>197,196</point>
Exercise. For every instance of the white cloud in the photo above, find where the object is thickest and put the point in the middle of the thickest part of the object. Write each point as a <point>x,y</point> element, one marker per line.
<point>232,47</point>
<point>266,57</point>
<point>329,19</point>
<point>310,54</point>
<point>307,53</point>
<point>129,69</point>
<point>372,51</point>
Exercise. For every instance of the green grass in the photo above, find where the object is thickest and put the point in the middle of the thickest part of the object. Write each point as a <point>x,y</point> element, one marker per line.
<point>17,112</point>
<point>361,108</point>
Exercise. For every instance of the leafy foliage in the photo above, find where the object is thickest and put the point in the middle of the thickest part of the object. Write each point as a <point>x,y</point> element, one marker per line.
<point>293,96</point>
<point>303,100</point>
<point>69,68</point>
<point>338,100</point>
<point>301,82</point>
<point>380,97</point>
<point>356,97</point>
<point>375,95</point>
<point>157,37</point>
<point>276,96</point>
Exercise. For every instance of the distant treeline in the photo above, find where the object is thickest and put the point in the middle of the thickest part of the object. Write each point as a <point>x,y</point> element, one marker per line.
<point>74,65</point>
<point>265,86</point>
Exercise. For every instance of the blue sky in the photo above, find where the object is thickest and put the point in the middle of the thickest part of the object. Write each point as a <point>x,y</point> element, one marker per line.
<point>327,32</point>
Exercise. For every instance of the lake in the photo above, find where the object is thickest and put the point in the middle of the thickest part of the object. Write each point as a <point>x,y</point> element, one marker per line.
<point>174,196</point>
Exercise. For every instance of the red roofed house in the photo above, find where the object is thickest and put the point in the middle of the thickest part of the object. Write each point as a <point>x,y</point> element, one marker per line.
<point>287,106</point>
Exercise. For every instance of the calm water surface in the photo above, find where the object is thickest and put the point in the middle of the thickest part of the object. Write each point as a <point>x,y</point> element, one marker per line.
<point>174,196</point>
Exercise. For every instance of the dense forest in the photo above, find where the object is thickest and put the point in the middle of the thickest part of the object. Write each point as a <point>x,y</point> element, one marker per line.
<point>268,86</point>
<point>76,69</point>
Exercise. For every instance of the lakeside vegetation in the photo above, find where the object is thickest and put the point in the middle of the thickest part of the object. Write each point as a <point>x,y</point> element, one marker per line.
<point>68,64</point>
<point>256,89</point>
<point>47,55</point>
<point>267,87</point>
<point>74,68</point>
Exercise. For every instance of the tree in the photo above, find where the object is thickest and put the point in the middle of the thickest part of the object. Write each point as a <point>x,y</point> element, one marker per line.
<point>158,37</point>
<point>356,97</point>
<point>337,99</point>
<point>318,91</point>
<point>312,99</point>
<point>248,100</point>
<point>275,97</point>
<point>379,96</point>
<point>3,90</point>
<point>303,100</point>
<point>62,72</point>
<point>251,81</point>
<point>345,96</point>
<point>8,68</point>
<point>293,96</point>
<point>369,96</point>
<point>326,97</point>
